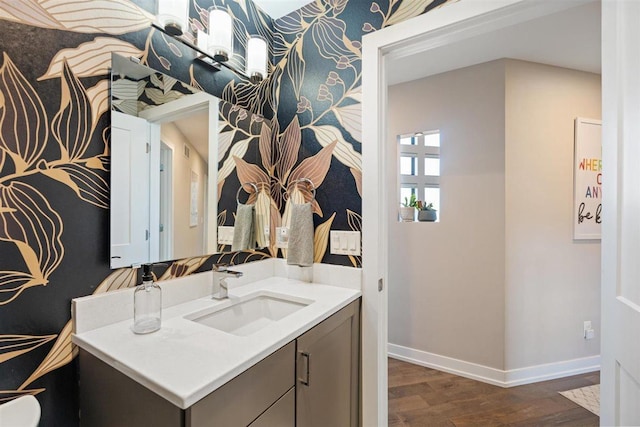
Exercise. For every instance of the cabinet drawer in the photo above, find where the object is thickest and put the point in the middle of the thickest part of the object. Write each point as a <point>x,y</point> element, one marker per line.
<point>281,414</point>
<point>244,398</point>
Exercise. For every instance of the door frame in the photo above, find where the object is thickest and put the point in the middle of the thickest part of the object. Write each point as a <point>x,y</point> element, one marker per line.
<point>446,25</point>
<point>166,207</point>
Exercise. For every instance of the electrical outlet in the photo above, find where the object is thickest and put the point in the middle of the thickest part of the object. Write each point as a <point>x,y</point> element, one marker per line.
<point>587,331</point>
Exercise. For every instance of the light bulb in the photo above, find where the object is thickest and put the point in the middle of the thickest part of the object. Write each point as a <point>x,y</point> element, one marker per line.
<point>256,59</point>
<point>173,16</point>
<point>220,35</point>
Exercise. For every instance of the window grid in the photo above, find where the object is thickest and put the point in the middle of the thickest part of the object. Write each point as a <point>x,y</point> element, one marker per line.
<point>416,154</point>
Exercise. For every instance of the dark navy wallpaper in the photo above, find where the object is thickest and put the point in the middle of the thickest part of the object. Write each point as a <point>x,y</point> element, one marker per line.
<point>54,152</point>
<point>319,51</point>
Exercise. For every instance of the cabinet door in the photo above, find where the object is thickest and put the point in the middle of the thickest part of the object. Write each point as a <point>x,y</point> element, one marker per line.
<point>240,401</point>
<point>109,398</point>
<point>328,371</point>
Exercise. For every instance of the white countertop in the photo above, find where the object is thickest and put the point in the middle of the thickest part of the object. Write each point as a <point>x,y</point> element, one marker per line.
<point>185,361</point>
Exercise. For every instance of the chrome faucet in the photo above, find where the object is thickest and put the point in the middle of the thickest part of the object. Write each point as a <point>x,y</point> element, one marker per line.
<point>220,276</point>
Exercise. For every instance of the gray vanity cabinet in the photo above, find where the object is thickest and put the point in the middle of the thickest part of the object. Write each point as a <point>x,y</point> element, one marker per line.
<point>311,381</point>
<point>328,371</point>
<point>109,398</point>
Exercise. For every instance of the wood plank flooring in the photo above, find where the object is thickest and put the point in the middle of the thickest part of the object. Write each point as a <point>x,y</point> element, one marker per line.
<point>420,396</point>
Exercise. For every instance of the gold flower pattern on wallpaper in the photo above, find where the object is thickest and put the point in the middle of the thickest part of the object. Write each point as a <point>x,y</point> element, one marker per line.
<point>14,345</point>
<point>314,86</point>
<point>283,178</point>
<point>27,220</point>
<point>103,16</point>
<point>320,22</point>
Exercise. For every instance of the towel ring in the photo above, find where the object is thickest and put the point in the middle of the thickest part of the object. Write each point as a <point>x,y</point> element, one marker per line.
<point>308,182</point>
<point>252,184</point>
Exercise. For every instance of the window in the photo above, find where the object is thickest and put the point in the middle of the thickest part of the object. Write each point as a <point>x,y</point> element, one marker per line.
<point>419,167</point>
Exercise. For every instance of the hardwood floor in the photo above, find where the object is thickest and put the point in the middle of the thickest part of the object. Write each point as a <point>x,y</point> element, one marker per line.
<point>421,396</point>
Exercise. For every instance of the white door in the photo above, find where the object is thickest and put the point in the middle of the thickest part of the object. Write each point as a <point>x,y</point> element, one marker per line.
<point>129,190</point>
<point>620,355</point>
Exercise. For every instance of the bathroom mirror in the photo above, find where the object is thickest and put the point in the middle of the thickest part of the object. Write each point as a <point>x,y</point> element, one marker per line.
<point>168,142</point>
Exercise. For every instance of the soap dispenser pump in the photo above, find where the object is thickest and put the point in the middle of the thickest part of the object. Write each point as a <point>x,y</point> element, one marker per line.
<point>147,303</point>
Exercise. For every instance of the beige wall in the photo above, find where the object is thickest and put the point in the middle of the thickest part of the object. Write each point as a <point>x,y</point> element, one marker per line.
<point>552,281</point>
<point>499,280</point>
<point>446,279</point>
<point>188,241</point>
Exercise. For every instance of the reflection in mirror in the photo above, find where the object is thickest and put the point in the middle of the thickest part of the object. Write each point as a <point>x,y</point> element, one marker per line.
<point>165,149</point>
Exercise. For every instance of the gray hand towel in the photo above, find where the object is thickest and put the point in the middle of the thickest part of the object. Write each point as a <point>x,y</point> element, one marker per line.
<point>243,234</point>
<point>300,248</point>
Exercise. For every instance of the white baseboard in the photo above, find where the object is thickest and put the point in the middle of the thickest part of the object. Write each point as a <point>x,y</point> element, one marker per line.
<point>486,374</point>
<point>550,371</point>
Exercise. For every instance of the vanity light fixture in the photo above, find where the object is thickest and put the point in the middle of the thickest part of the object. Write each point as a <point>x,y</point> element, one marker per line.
<point>173,16</point>
<point>256,59</point>
<point>216,47</point>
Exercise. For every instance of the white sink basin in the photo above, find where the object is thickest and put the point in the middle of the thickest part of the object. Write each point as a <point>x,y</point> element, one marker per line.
<point>248,316</point>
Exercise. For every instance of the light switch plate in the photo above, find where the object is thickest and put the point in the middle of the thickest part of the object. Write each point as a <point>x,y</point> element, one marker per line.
<point>282,237</point>
<point>225,235</point>
<point>345,242</point>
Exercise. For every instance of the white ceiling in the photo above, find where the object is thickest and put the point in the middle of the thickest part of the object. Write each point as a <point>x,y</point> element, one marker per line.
<point>279,8</point>
<point>568,39</point>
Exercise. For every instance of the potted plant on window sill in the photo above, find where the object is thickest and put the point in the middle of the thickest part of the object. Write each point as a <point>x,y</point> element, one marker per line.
<point>408,209</point>
<point>426,212</point>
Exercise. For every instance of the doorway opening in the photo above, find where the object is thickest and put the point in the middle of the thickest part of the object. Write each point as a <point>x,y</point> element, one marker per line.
<point>479,293</point>
<point>465,28</point>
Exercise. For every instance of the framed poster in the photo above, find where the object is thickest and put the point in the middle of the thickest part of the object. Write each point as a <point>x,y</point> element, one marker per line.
<point>193,208</point>
<point>587,179</point>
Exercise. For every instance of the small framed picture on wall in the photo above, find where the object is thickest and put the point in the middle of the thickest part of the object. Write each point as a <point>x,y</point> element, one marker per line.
<point>587,179</point>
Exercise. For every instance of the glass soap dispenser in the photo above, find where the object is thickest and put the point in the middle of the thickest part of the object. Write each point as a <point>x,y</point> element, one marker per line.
<point>147,303</point>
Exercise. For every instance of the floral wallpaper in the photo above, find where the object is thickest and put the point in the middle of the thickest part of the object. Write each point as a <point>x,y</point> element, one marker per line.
<point>318,50</point>
<point>54,152</point>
